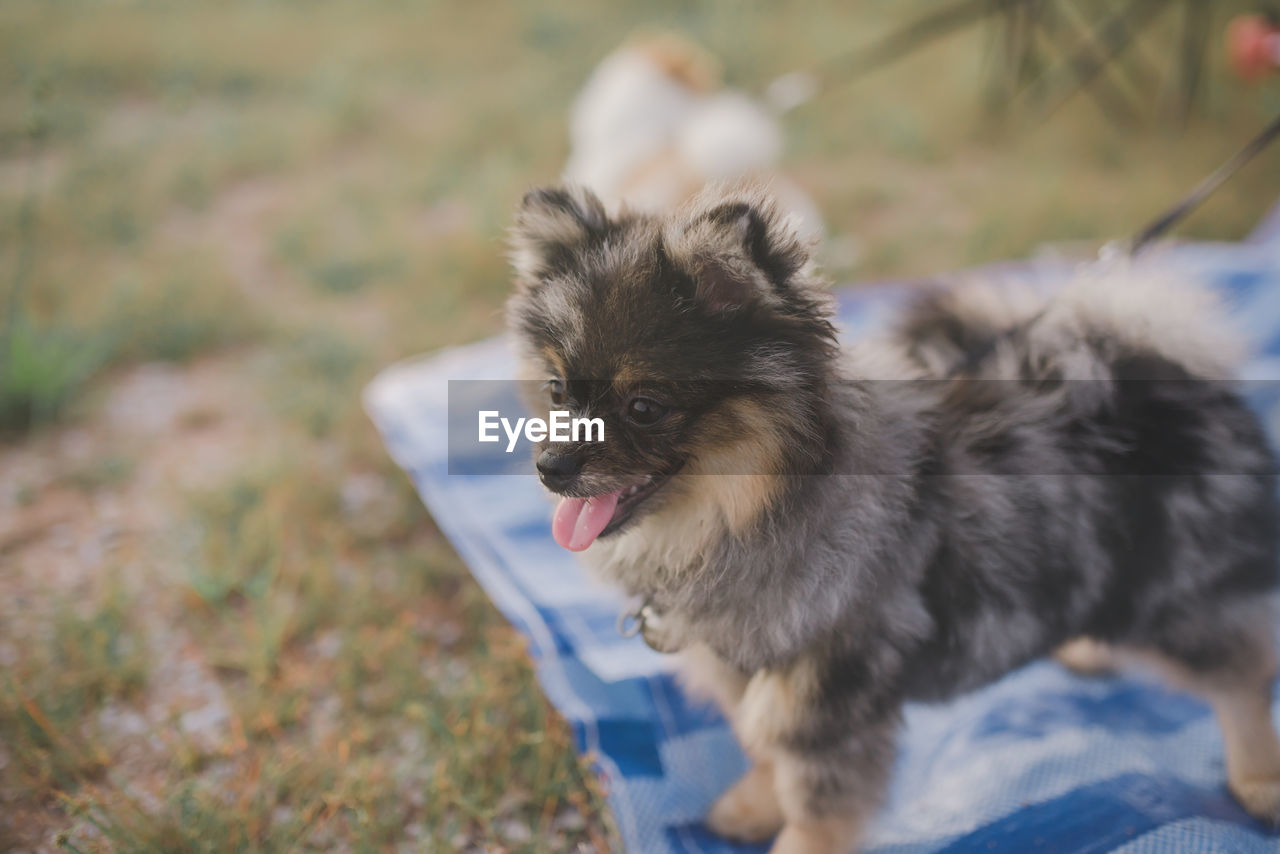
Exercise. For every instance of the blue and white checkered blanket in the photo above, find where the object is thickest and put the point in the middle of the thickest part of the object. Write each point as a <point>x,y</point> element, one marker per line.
<point>1041,761</point>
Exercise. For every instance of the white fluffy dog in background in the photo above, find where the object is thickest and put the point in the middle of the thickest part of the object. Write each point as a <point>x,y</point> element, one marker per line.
<point>653,125</point>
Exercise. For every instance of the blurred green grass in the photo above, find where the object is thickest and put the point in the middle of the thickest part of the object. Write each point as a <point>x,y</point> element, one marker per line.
<point>300,192</point>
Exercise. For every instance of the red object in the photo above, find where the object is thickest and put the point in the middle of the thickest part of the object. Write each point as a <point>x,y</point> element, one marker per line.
<point>1253,46</point>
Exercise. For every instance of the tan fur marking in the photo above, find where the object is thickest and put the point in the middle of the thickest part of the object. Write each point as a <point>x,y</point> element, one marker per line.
<point>770,708</point>
<point>679,59</point>
<point>1086,656</point>
<point>632,377</point>
<point>725,490</point>
<point>738,474</point>
<point>739,498</point>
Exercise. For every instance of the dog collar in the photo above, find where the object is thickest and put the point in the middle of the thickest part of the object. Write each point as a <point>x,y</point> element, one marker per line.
<point>631,622</point>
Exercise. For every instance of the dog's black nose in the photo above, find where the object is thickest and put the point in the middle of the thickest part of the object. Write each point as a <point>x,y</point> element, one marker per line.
<point>557,470</point>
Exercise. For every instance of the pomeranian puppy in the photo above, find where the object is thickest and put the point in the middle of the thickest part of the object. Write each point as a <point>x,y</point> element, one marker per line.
<point>824,534</point>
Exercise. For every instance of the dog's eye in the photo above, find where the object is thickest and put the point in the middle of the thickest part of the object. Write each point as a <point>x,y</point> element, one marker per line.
<point>644,411</point>
<point>555,388</point>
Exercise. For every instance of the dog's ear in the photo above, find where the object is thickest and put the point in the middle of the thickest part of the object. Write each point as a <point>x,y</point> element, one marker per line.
<point>550,224</point>
<point>738,251</point>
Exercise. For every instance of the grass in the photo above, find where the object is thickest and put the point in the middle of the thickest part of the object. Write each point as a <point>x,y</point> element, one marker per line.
<point>46,366</point>
<point>79,660</point>
<point>226,623</point>
<point>192,311</point>
<point>42,372</point>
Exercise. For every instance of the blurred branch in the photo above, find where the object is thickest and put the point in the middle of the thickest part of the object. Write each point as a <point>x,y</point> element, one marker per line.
<point>1086,63</point>
<point>913,36</point>
<point>1086,53</point>
<point>1195,41</point>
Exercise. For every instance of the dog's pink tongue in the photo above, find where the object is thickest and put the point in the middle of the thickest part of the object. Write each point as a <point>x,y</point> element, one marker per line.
<point>578,521</point>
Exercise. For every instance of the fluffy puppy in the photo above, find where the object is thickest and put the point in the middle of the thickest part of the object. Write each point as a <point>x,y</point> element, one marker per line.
<point>824,534</point>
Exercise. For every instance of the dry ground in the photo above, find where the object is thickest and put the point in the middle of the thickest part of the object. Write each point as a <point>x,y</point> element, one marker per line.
<point>225,621</point>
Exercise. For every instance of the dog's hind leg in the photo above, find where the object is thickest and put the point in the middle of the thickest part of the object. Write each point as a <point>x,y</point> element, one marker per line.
<point>1252,748</point>
<point>1232,663</point>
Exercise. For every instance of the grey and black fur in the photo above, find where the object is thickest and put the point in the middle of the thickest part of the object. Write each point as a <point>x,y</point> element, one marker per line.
<point>827,533</point>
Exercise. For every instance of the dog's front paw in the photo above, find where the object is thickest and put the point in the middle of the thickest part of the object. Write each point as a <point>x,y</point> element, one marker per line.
<point>749,811</point>
<point>1260,798</point>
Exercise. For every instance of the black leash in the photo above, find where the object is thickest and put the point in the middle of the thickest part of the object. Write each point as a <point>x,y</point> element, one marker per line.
<point>1205,188</point>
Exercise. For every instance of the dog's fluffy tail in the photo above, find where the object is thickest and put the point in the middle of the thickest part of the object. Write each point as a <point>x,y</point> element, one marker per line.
<point>1149,312</point>
<point>1014,331</point>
